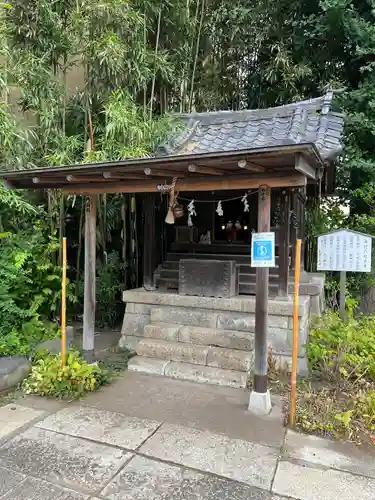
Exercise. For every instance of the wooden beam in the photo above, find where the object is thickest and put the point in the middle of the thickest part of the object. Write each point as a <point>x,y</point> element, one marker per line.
<point>248,165</point>
<point>89,300</point>
<point>284,241</point>
<point>196,184</point>
<point>197,169</point>
<point>261,303</point>
<point>162,173</point>
<point>303,166</point>
<point>75,178</point>
<point>119,175</point>
<point>149,242</point>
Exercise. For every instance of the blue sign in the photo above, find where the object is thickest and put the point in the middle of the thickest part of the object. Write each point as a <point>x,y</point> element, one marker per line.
<point>263,250</point>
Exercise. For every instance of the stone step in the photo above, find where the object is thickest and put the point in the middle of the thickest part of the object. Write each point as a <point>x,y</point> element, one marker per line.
<point>216,357</point>
<point>244,288</point>
<point>240,259</point>
<point>214,337</point>
<point>245,278</point>
<point>250,289</point>
<point>173,351</point>
<point>186,316</point>
<point>162,331</point>
<point>247,269</point>
<point>215,247</point>
<point>187,371</point>
<point>166,283</point>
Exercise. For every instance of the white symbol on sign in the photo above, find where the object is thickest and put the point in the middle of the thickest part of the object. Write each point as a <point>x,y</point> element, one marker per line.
<point>262,250</point>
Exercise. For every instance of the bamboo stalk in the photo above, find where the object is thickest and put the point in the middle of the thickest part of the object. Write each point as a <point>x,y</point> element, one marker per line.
<point>293,395</point>
<point>156,53</point>
<point>196,52</point>
<point>145,48</point>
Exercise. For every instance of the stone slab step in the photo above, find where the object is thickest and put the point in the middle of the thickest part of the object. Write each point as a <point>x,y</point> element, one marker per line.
<point>240,259</point>
<point>187,371</point>
<point>216,357</point>
<point>245,278</point>
<point>245,269</point>
<point>162,331</point>
<point>244,288</point>
<point>215,337</point>
<point>173,351</point>
<point>151,366</point>
<point>250,289</point>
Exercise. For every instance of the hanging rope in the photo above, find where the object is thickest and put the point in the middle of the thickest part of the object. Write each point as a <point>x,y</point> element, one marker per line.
<point>172,200</point>
<point>218,200</point>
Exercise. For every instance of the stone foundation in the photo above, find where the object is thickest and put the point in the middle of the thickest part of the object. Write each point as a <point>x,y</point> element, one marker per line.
<point>209,333</point>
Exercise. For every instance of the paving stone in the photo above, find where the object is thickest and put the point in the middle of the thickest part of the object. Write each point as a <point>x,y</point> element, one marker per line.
<point>13,417</point>
<point>173,351</point>
<point>69,461</point>
<point>316,483</point>
<point>184,316</point>
<point>134,324</point>
<point>13,369</point>
<point>9,479</point>
<point>206,374</point>
<point>230,339</point>
<point>230,359</point>
<point>145,479</point>
<point>100,425</point>
<point>162,331</point>
<point>243,461</point>
<point>151,366</point>
<point>36,489</point>
<point>328,453</point>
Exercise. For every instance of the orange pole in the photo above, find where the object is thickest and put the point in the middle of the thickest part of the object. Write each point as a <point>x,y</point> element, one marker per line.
<point>293,395</point>
<point>63,307</point>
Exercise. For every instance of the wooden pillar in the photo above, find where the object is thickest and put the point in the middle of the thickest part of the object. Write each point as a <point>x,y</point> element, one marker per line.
<point>149,246</point>
<point>261,306</point>
<point>301,230</point>
<point>284,241</point>
<point>293,229</point>
<point>89,280</point>
<point>253,214</point>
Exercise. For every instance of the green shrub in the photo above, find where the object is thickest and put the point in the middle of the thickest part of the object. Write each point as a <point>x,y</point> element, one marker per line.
<point>340,400</point>
<point>49,378</point>
<point>109,284</point>
<point>30,289</point>
<point>23,341</point>
<point>343,348</point>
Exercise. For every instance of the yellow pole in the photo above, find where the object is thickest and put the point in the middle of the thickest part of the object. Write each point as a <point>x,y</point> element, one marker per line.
<point>297,273</point>
<point>63,307</point>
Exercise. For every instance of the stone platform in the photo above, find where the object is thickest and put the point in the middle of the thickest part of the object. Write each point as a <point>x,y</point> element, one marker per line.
<point>206,339</point>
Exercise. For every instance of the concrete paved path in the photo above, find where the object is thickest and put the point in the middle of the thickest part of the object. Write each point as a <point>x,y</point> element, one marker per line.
<point>90,451</point>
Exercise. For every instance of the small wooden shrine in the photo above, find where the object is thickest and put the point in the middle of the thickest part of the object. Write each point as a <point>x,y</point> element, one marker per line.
<point>224,176</point>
